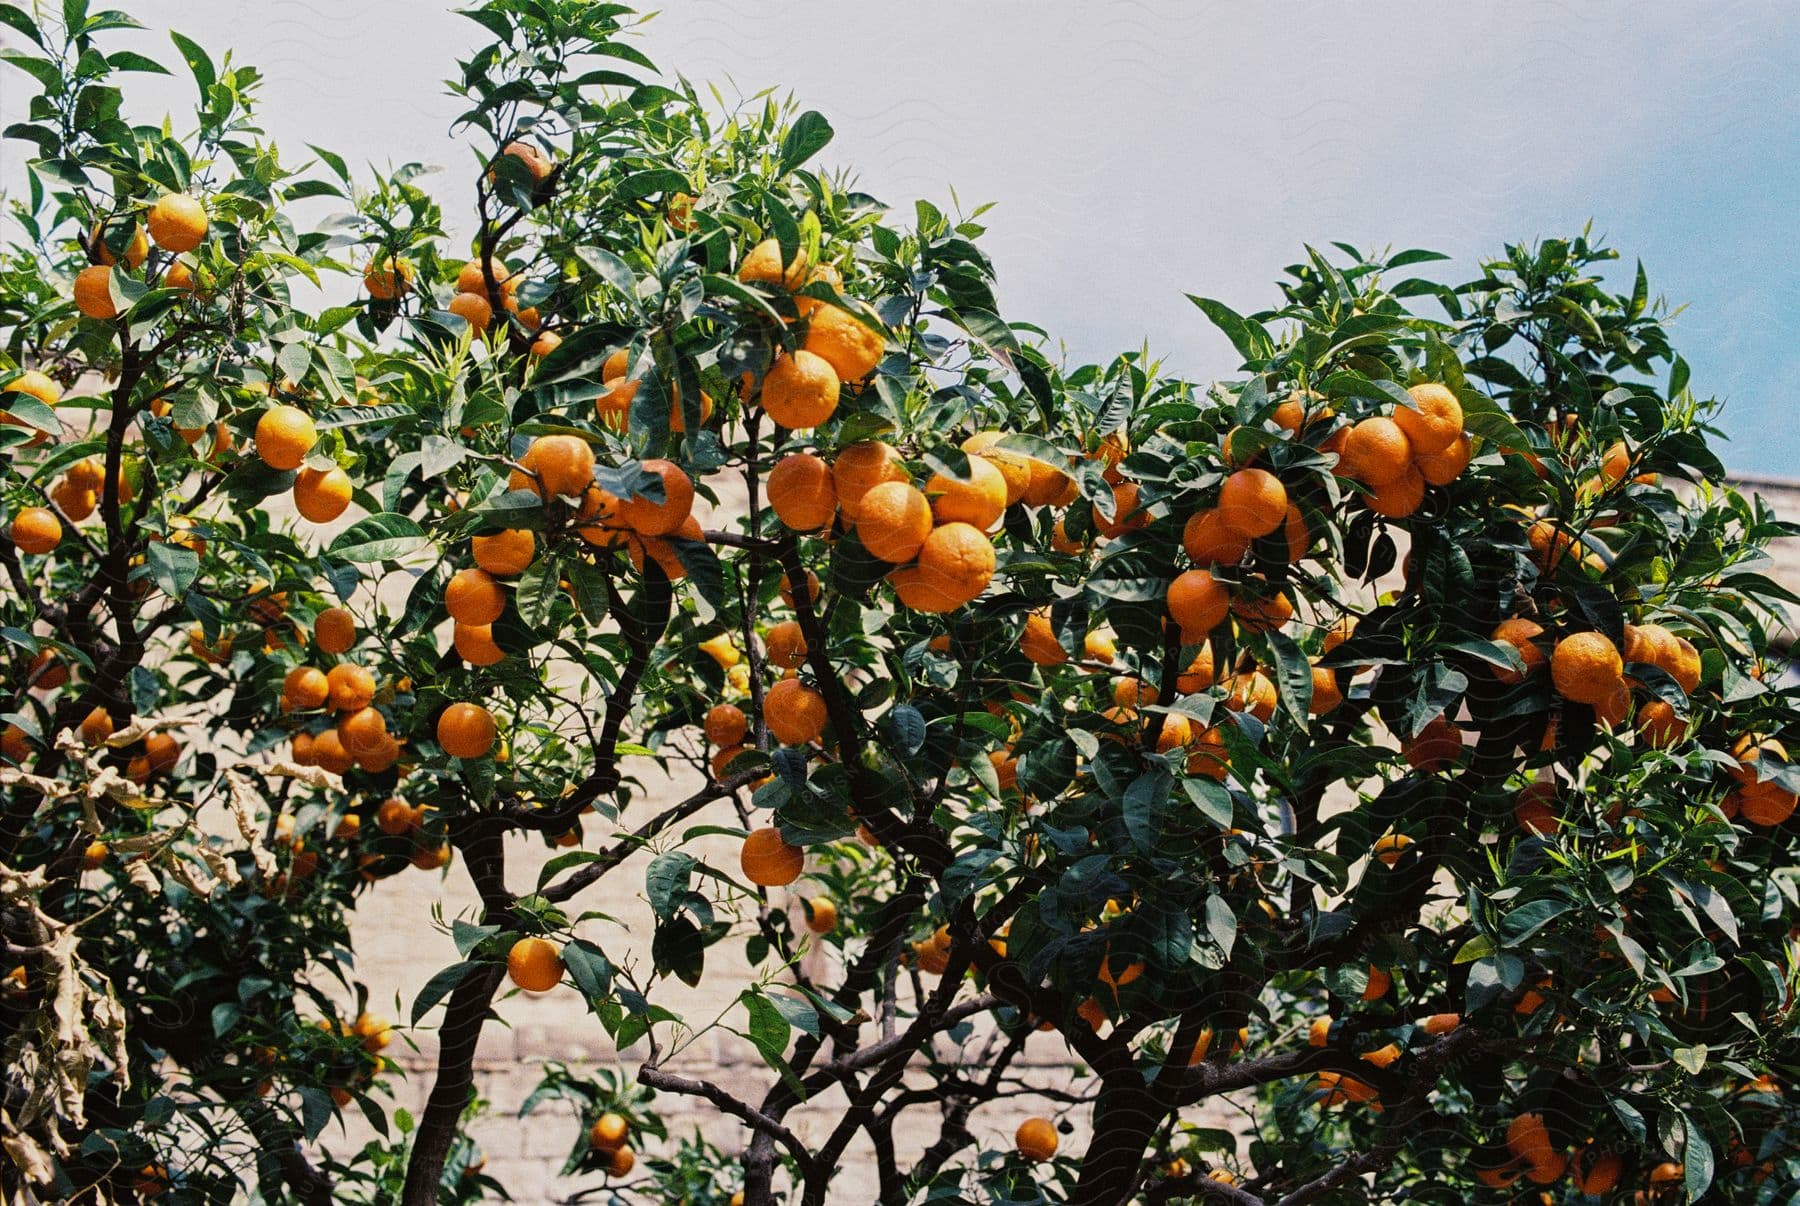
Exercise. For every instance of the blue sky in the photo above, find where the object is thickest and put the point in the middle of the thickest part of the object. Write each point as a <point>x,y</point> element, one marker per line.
<point>1140,150</point>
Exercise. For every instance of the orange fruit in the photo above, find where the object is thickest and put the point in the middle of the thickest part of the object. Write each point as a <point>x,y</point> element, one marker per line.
<point>1379,983</point>
<point>1658,724</point>
<point>75,502</point>
<point>466,730</point>
<point>980,501</point>
<point>1400,497</point>
<point>39,385</point>
<point>1325,693</point>
<point>178,276</point>
<point>957,560</point>
<point>786,645</point>
<point>563,463</point>
<point>350,687</point>
<point>794,712</point>
<point>505,554</point>
<point>36,530</point>
<point>1199,673</point>
<point>893,520</point>
<point>305,688</point>
<point>844,342</point>
<point>395,817</point>
<point>1586,668</point>
<point>1210,540</point>
<point>474,597</point>
<point>1253,502</point>
<point>1765,804</point>
<point>1440,1023</point>
<point>823,274</point>
<point>320,495</point>
<point>474,309</point>
<point>1390,848</point>
<point>334,630</point>
<point>1127,515</point>
<point>788,594</point>
<point>284,435</point>
<point>388,277</point>
<point>1442,468</point>
<point>1615,463</point>
<point>768,861</point>
<point>474,643</point>
<point>800,390</point>
<point>545,343</point>
<point>801,492</point>
<point>653,518</point>
<point>1534,808</point>
<point>177,222</point>
<point>136,251</point>
<point>859,469</point>
<point>46,672</point>
<point>1294,531</point>
<point>1548,543</point>
<point>1595,1172</point>
<point>1376,451</point>
<point>1039,643</point>
<point>472,279</point>
<point>608,1132</point>
<point>96,726</point>
<point>363,731</point>
<point>1529,1140</point>
<point>1050,486</point>
<point>1339,1088</point>
<point>1521,634</point>
<point>763,266</point>
<point>1436,746</point>
<point>93,293</point>
<point>535,964</point>
<point>821,915</point>
<point>534,160</point>
<point>726,725</point>
<point>621,1163</point>
<point>1434,420</point>
<point>1260,613</point>
<point>1036,1139</point>
<point>1014,467</point>
<point>1197,602</point>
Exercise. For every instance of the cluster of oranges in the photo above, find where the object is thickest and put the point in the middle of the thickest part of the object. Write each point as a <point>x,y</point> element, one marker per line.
<point>177,224</point>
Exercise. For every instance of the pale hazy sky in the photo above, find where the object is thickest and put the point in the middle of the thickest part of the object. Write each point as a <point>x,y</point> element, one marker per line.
<point>1143,149</point>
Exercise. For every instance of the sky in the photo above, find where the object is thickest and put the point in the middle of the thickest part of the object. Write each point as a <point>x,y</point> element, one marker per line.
<point>1141,150</point>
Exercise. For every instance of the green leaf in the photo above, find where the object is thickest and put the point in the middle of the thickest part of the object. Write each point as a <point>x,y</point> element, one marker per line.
<point>589,968</point>
<point>1221,924</point>
<point>384,537</point>
<point>805,138</point>
<point>172,567</point>
<point>1293,674</point>
<point>1250,340</point>
<point>129,60</point>
<point>437,988</point>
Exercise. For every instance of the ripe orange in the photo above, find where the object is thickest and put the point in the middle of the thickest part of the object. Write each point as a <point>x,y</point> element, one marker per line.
<point>96,726</point>
<point>1400,497</point>
<point>177,222</point>
<point>788,594</point>
<point>823,274</point>
<point>334,630</point>
<point>1296,534</point>
<point>546,343</point>
<point>321,495</point>
<point>136,251</point>
<point>608,1132</point>
<point>474,643</point>
<point>1658,724</point>
<point>350,687</point>
<point>1436,746</point>
<point>801,390</point>
<point>1039,643</point>
<point>980,501</point>
<point>1548,543</point>
<point>859,469</point>
<point>535,964</point>
<point>388,278</point>
<point>956,561</point>
<point>1261,613</point>
<point>505,554</point>
<point>93,293</point>
<point>763,266</point>
<point>1595,1172</point>
<point>1050,486</point>
<point>474,597</point>
<point>1615,463</point>
<point>1199,674</point>
<point>1014,467</point>
<point>38,385</point>
<point>786,645</point>
<point>36,530</point>
<point>1765,804</point>
<point>1529,1140</point>
<point>1197,602</point>
<point>1376,451</point>
<point>794,712</point>
<point>1036,1139</point>
<point>471,279</point>
<point>844,342</point>
<point>1325,693</point>
<point>1534,808</point>
<point>801,492</point>
<point>563,463</point>
<point>363,731</point>
<point>284,435</point>
<point>466,730</point>
<point>534,160</point>
<point>1210,540</point>
<point>621,1163</point>
<point>1521,634</point>
<point>178,276</point>
<point>1586,668</point>
<point>305,688</point>
<point>651,518</point>
<point>1380,980</point>
<point>474,309</point>
<point>821,915</point>
<point>47,672</point>
<point>1252,502</point>
<point>768,861</point>
<point>1442,468</point>
<point>1391,847</point>
<point>893,520</point>
<point>1127,515</point>
<point>1433,422</point>
<point>726,725</point>
<point>395,817</point>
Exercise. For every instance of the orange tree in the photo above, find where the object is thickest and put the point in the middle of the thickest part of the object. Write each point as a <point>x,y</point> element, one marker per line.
<point>1378,741</point>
